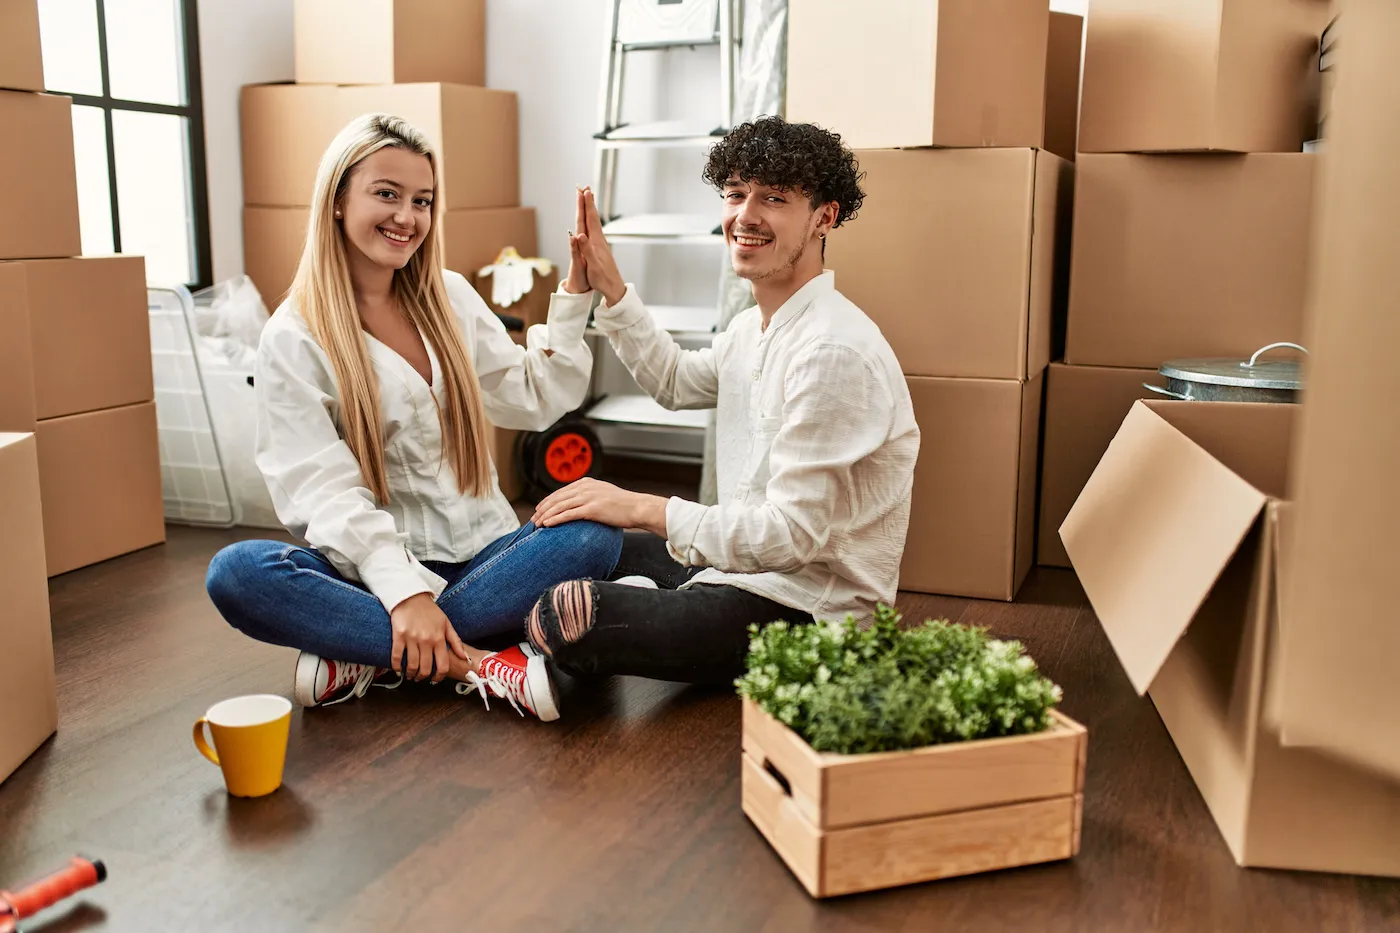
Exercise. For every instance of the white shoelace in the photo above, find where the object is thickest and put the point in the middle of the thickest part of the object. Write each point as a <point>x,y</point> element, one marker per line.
<point>484,684</point>
<point>363,679</point>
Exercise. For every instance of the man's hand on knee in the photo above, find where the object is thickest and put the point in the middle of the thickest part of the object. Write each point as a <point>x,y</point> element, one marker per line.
<point>604,503</point>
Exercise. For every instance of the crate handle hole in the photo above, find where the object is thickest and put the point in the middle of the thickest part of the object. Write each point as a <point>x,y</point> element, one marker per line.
<point>778,776</point>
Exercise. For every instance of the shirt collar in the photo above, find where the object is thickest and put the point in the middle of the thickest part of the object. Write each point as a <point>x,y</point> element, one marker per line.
<point>804,296</point>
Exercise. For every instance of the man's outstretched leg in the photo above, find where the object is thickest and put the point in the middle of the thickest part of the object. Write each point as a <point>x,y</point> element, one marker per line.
<point>697,635</point>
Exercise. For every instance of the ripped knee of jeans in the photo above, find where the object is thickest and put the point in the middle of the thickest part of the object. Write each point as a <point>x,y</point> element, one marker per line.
<point>562,616</point>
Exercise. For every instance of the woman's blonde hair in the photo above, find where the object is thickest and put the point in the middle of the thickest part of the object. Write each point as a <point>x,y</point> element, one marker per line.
<point>323,294</point>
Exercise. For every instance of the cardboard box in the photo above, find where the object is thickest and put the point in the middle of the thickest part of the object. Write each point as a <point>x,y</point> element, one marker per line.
<point>972,518</point>
<point>16,354</point>
<point>39,216</point>
<point>273,238</point>
<point>472,239</point>
<point>1340,645</point>
<point>1178,539</point>
<point>26,643</point>
<point>285,129</point>
<point>503,455</point>
<point>474,131</point>
<point>1187,256</point>
<point>1084,407</point>
<point>532,308</point>
<point>1187,75</point>
<point>390,41</point>
<point>89,341</point>
<point>21,64</point>
<point>1062,60</point>
<point>919,72</point>
<point>954,256</point>
<point>99,477</point>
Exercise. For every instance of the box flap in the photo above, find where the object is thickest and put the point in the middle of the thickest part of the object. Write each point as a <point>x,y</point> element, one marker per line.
<point>1154,527</point>
<point>1281,514</point>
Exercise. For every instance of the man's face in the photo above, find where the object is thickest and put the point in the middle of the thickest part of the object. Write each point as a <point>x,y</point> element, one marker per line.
<point>767,229</point>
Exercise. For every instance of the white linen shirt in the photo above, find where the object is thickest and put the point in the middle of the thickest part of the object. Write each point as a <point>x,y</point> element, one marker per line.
<point>815,449</point>
<point>315,481</point>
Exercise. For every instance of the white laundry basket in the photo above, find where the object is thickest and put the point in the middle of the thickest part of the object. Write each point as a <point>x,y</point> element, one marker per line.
<point>193,485</point>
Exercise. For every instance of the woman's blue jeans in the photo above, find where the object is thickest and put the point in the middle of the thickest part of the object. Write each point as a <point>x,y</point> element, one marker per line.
<point>289,595</point>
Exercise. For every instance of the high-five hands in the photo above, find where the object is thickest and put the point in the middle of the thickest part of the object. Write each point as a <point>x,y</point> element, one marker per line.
<point>589,251</point>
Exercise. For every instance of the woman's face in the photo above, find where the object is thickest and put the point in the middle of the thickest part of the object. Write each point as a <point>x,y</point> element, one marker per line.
<point>386,210</point>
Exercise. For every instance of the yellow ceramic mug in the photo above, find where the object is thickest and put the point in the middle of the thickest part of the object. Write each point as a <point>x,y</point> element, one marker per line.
<point>250,741</point>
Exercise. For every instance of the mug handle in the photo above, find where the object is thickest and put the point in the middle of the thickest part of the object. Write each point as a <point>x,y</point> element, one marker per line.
<point>201,743</point>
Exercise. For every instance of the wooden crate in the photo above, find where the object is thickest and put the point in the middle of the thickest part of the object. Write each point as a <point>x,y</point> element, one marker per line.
<point>848,823</point>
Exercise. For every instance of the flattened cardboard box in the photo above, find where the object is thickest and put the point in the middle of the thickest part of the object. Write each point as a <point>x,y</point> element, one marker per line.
<point>89,336</point>
<point>1062,71</point>
<point>27,690</point>
<point>1187,256</point>
<point>957,255</point>
<point>1178,540</point>
<point>1341,645</point>
<point>968,73</point>
<point>39,213</point>
<point>99,477</point>
<point>474,131</point>
<point>1188,75</point>
<point>390,41</point>
<point>273,238</point>
<point>972,516</point>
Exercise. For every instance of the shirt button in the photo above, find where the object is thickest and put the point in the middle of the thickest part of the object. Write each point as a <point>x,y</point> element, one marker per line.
<point>756,374</point>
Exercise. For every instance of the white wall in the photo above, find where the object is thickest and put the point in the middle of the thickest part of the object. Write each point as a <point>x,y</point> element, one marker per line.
<point>242,42</point>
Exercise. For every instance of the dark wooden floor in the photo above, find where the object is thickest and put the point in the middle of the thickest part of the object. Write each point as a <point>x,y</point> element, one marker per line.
<point>419,810</point>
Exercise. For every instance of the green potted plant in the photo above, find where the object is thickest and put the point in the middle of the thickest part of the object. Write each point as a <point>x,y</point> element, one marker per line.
<point>878,755</point>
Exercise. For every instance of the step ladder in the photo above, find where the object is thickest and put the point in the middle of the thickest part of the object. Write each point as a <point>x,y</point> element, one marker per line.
<point>626,420</point>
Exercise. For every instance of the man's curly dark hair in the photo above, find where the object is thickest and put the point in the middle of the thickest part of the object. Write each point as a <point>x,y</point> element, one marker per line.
<point>791,156</point>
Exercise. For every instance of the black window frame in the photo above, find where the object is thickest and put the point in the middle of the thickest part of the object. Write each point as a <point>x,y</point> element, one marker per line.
<point>192,111</point>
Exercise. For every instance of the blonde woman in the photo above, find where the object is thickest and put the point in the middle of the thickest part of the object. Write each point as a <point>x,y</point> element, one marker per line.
<point>374,383</point>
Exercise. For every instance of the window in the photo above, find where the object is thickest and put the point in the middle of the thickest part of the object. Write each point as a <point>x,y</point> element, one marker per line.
<point>132,69</point>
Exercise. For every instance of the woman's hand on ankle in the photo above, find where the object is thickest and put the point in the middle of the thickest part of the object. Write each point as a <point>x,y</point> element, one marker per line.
<point>424,639</point>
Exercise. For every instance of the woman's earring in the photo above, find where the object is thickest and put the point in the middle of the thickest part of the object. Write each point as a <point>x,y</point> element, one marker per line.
<point>337,215</point>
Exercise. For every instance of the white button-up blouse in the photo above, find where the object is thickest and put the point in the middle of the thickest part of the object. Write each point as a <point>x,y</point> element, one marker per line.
<point>315,482</point>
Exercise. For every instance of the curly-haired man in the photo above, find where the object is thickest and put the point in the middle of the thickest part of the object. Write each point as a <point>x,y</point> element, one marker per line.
<point>816,439</point>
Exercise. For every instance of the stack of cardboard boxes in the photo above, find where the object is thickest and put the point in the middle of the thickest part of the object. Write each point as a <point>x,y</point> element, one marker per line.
<point>1238,556</point>
<point>424,61</point>
<point>1193,206</point>
<point>79,460</point>
<point>962,115</point>
<point>75,353</point>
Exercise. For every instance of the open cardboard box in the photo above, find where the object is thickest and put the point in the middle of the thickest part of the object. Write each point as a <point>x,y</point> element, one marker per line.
<point>1181,540</point>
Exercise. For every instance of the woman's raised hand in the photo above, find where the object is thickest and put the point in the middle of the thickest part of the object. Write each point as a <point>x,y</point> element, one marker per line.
<point>577,282</point>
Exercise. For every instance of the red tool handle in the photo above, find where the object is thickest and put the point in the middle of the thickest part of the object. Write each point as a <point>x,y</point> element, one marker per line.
<point>78,874</point>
